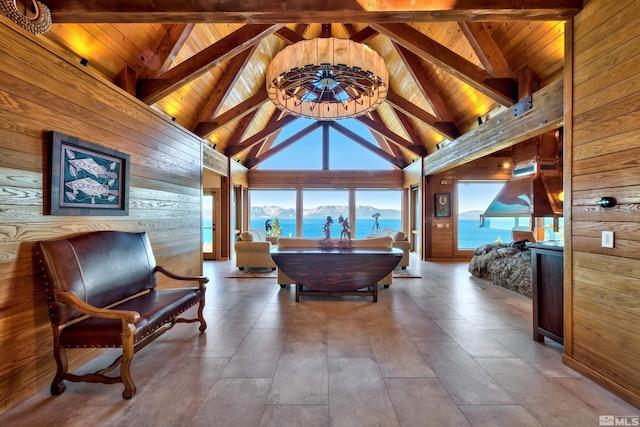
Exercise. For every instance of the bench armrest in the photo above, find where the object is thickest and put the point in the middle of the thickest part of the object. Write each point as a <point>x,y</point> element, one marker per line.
<point>200,279</point>
<point>72,299</point>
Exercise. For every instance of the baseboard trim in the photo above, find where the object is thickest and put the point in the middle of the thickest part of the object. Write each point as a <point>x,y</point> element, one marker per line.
<point>615,388</point>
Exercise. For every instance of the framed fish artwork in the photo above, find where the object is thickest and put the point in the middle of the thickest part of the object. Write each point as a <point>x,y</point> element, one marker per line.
<point>87,179</point>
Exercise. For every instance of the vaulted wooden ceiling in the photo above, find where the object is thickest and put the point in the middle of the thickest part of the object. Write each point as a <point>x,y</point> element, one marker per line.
<point>452,64</point>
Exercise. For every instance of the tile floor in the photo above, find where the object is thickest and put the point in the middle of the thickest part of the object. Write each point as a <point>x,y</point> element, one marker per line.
<point>446,349</point>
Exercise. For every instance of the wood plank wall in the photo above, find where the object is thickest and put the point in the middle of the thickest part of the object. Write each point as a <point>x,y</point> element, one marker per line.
<point>603,291</point>
<point>40,92</point>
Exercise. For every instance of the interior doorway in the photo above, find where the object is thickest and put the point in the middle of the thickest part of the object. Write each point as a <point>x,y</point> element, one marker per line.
<point>210,217</point>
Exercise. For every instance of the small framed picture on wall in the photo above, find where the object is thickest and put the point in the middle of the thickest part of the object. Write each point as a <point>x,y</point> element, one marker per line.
<point>442,203</point>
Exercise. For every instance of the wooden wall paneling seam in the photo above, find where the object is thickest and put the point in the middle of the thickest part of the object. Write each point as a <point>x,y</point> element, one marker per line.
<point>567,184</point>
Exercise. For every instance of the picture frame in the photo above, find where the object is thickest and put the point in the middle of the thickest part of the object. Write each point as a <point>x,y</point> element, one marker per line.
<point>86,178</point>
<point>442,204</point>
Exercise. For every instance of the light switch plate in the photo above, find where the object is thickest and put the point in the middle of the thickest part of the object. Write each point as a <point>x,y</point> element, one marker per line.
<point>607,239</point>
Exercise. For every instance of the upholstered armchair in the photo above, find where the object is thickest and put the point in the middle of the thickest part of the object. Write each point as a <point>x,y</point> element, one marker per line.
<point>400,241</point>
<point>253,249</point>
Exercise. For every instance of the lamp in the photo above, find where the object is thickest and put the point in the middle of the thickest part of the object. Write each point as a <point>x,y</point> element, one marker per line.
<point>327,79</point>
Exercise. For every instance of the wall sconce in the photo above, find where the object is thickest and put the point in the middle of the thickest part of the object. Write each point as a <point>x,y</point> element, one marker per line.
<point>607,202</point>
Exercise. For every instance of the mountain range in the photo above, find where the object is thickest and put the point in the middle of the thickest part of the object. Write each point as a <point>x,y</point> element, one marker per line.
<point>333,211</point>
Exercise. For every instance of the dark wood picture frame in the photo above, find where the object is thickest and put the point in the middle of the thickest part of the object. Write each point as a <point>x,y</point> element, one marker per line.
<point>86,178</point>
<point>442,204</point>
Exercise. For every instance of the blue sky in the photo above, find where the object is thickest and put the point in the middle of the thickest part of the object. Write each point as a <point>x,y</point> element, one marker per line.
<point>343,152</point>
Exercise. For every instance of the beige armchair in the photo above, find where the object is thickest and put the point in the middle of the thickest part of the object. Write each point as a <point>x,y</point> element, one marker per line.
<point>400,241</point>
<point>253,249</point>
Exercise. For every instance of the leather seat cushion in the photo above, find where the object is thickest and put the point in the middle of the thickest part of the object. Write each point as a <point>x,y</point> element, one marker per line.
<point>156,308</point>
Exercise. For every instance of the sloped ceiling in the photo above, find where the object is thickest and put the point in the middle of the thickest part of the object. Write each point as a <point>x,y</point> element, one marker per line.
<point>452,64</point>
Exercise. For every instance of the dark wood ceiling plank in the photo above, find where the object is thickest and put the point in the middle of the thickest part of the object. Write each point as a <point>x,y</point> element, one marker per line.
<point>430,90</point>
<point>439,55</point>
<point>446,129</point>
<point>233,150</point>
<point>502,131</point>
<point>206,128</point>
<point>486,49</point>
<point>328,11</point>
<point>152,90</point>
<point>226,83</point>
<point>366,144</point>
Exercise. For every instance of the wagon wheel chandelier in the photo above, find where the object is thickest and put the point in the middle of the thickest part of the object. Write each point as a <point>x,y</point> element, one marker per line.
<point>327,79</point>
<point>36,19</point>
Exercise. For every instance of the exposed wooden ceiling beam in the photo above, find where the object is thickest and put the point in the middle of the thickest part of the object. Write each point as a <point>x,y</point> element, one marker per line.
<point>328,11</point>
<point>486,49</point>
<point>286,143</point>
<point>152,90</point>
<point>503,91</point>
<point>391,136</point>
<point>429,90</point>
<point>226,83</point>
<point>502,131</point>
<point>447,129</point>
<point>168,48</point>
<point>290,36</point>
<point>206,128</point>
<point>233,150</point>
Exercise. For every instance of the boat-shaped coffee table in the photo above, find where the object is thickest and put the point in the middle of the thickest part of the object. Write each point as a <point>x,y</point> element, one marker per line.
<point>354,271</point>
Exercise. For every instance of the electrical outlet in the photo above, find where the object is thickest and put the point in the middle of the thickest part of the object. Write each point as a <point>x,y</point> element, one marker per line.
<point>607,239</point>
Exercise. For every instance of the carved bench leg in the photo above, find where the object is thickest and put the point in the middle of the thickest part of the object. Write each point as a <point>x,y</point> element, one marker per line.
<point>203,324</point>
<point>128,351</point>
<point>57,385</point>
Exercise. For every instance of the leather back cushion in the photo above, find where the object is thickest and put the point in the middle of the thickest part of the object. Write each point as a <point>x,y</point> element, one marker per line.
<point>100,268</point>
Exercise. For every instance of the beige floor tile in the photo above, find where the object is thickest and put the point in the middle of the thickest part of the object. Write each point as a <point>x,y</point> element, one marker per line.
<point>358,396</point>
<point>257,356</point>
<point>295,415</point>
<point>233,402</point>
<point>423,402</point>
<point>548,402</point>
<point>301,375</point>
<point>472,339</point>
<point>462,376</point>
<point>397,356</point>
<point>499,416</point>
<point>348,338</point>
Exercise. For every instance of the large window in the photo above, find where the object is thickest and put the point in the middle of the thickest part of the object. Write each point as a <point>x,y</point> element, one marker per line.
<point>320,204</point>
<point>474,198</point>
<point>273,211</point>
<point>375,210</point>
<point>307,153</point>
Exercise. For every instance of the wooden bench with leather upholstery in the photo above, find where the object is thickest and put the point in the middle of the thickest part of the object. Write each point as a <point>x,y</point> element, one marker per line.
<point>101,291</point>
